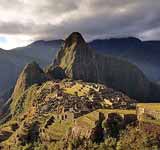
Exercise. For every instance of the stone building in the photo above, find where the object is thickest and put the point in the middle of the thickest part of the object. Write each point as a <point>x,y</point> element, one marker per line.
<point>63,115</point>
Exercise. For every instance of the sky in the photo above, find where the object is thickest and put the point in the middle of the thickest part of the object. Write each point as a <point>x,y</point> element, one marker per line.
<point>25,21</point>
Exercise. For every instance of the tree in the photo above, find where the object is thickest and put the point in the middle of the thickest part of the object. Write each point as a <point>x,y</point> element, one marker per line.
<point>112,125</point>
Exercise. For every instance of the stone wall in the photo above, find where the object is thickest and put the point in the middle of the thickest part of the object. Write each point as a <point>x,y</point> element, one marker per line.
<point>65,116</point>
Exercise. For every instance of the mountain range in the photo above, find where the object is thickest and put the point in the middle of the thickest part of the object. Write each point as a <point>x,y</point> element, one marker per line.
<point>83,99</point>
<point>76,60</point>
<point>144,54</point>
<point>12,62</point>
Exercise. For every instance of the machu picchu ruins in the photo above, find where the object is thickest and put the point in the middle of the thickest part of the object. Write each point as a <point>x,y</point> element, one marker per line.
<point>79,97</point>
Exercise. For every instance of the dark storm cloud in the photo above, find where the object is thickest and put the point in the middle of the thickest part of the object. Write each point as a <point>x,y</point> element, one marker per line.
<point>131,19</point>
<point>49,19</point>
<point>15,28</point>
<point>52,7</point>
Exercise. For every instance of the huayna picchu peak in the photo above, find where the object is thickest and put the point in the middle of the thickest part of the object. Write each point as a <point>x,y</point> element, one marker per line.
<point>74,38</point>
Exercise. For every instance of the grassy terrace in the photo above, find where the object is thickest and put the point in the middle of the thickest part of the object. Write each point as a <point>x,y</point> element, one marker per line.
<point>58,130</point>
<point>156,122</point>
<point>150,106</point>
<point>90,119</point>
<point>154,106</point>
<point>81,91</point>
<point>119,111</point>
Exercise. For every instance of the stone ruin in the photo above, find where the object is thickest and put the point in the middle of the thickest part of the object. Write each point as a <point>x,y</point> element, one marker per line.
<point>61,114</point>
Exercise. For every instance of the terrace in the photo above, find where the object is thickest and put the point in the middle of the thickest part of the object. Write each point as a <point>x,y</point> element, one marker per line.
<point>148,112</point>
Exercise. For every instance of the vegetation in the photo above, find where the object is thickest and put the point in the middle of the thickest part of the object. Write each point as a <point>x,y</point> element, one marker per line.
<point>135,138</point>
<point>30,129</point>
<point>24,101</point>
<point>151,106</point>
<point>152,109</point>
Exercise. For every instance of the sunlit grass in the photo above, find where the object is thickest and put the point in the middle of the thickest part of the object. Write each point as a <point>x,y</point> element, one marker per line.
<point>77,88</point>
<point>59,129</point>
<point>154,106</point>
<point>156,122</point>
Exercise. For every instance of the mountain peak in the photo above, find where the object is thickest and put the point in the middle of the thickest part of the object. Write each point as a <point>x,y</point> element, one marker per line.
<point>75,50</point>
<point>31,74</point>
<point>80,62</point>
<point>74,38</point>
<point>32,65</point>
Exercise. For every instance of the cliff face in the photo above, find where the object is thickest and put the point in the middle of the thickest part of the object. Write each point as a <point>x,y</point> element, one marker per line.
<point>81,62</point>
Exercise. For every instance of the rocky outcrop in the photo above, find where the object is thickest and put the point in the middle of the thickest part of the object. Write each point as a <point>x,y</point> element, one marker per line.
<point>55,73</point>
<point>81,62</point>
<point>30,75</point>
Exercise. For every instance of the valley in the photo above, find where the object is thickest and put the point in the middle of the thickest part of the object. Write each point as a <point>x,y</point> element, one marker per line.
<point>82,100</point>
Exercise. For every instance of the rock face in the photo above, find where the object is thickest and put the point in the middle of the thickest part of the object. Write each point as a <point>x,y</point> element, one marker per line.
<point>30,75</point>
<point>81,62</point>
<point>55,73</point>
<point>145,54</point>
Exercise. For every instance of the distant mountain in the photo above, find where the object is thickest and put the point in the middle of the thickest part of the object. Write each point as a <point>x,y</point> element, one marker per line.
<point>82,63</point>
<point>145,54</point>
<point>41,51</point>
<point>12,62</point>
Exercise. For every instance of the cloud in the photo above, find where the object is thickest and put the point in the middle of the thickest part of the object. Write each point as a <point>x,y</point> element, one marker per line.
<point>51,19</point>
